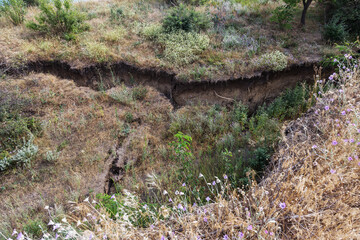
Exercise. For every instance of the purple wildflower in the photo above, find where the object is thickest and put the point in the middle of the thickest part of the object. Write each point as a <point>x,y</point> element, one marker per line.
<point>249,227</point>
<point>183,184</point>
<point>241,235</point>
<point>326,108</point>
<point>207,199</point>
<point>213,183</point>
<point>225,177</point>
<point>282,205</point>
<point>350,158</point>
<point>226,237</point>
<point>343,113</point>
<point>205,219</point>
<point>334,142</point>
<point>170,200</point>
<point>332,171</point>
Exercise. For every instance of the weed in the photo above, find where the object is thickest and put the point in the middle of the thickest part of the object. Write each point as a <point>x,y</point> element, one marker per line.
<point>59,18</point>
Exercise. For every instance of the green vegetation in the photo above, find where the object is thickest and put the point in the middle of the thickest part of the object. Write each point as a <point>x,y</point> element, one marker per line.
<point>275,61</point>
<point>14,10</point>
<point>186,19</point>
<point>17,131</point>
<point>59,17</point>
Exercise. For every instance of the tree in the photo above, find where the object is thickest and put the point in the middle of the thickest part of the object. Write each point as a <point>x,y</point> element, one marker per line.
<point>306,4</point>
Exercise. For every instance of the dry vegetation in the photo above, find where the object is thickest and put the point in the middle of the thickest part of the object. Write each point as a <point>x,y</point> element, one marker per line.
<point>315,172</point>
<point>239,35</point>
<point>80,127</point>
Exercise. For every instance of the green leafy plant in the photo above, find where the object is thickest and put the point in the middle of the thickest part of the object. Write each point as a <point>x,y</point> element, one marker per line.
<point>335,31</point>
<point>186,19</point>
<point>283,16</point>
<point>182,151</point>
<point>59,17</point>
<point>14,10</point>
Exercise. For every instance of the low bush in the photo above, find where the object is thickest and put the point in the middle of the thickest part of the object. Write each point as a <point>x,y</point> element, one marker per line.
<point>14,10</point>
<point>283,16</point>
<point>152,31</point>
<point>275,61</point>
<point>235,40</point>
<point>348,13</point>
<point>22,156</point>
<point>183,47</point>
<point>186,19</point>
<point>59,17</point>
<point>335,31</point>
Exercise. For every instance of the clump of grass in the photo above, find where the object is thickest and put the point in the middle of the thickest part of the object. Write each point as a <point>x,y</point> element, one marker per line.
<point>97,51</point>
<point>275,61</point>
<point>183,47</point>
<point>115,35</point>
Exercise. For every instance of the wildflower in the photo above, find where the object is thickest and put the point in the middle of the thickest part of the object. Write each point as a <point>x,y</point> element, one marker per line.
<point>51,222</point>
<point>332,171</point>
<point>104,237</point>
<point>225,176</point>
<point>180,206</point>
<point>314,146</point>
<point>334,143</point>
<point>213,183</point>
<point>56,226</point>
<point>176,192</point>
<point>207,199</point>
<point>352,140</point>
<point>94,202</point>
<point>343,113</point>
<point>350,158</point>
<point>183,184</point>
<point>358,163</point>
<point>64,220</point>
<point>170,200</point>
<point>20,236</point>
<point>46,207</point>
<point>226,237</point>
<point>113,197</point>
<point>335,60</point>
<point>326,108</point>
<point>181,193</point>
<point>249,227</point>
<point>86,199</point>
<point>271,233</point>
<point>346,140</point>
<point>266,231</point>
<point>78,223</point>
<point>162,238</point>
<point>205,219</point>
<point>165,192</point>
<point>282,205</point>
<point>56,236</point>
<point>145,206</point>
<point>14,232</point>
<point>241,235</point>
<point>194,205</point>
<point>200,175</point>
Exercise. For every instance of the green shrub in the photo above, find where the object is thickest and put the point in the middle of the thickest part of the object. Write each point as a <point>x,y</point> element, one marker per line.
<point>183,47</point>
<point>335,31</point>
<point>14,10</point>
<point>348,13</point>
<point>275,61</point>
<point>116,14</point>
<point>186,19</point>
<point>34,228</point>
<point>59,17</point>
<point>283,16</point>
<point>22,156</point>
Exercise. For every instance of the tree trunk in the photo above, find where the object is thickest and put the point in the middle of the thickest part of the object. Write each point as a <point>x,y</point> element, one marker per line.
<point>306,4</point>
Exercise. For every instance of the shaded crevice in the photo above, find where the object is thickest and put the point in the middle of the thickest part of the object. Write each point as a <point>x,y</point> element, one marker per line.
<point>251,90</point>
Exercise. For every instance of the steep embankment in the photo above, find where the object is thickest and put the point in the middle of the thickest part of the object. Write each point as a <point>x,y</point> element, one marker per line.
<point>251,90</point>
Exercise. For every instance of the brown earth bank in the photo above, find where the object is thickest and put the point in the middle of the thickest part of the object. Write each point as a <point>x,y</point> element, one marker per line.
<point>252,90</point>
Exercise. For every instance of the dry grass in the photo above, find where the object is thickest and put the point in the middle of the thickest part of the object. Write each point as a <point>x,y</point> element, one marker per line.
<point>85,125</point>
<point>310,192</point>
<point>122,41</point>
